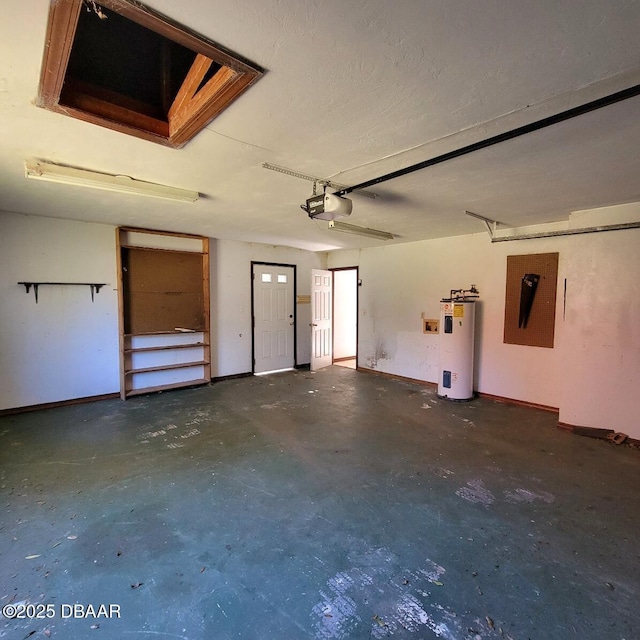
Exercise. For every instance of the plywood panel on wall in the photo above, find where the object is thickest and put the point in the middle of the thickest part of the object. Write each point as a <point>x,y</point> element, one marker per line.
<point>164,291</point>
<point>539,330</point>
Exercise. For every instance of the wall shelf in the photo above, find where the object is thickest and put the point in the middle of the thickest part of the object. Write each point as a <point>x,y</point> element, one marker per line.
<point>94,286</point>
<point>175,332</point>
<point>163,300</point>
<point>166,387</point>
<point>170,347</point>
<point>166,367</point>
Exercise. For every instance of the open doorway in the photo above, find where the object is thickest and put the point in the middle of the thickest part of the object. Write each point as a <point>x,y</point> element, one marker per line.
<point>345,317</point>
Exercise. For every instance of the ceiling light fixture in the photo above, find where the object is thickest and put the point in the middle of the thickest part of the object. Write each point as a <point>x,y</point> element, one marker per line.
<point>345,227</point>
<point>61,174</point>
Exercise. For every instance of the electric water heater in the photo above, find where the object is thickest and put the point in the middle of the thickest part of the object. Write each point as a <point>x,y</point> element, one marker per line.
<point>457,331</point>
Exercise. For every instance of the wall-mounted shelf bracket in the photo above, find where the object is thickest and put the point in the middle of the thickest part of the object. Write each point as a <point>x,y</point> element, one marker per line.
<point>94,286</point>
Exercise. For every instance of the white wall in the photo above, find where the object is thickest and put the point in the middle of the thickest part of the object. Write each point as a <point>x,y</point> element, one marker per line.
<point>65,346</point>
<point>592,373</point>
<point>401,282</point>
<point>231,331</point>
<point>345,313</point>
<point>600,351</point>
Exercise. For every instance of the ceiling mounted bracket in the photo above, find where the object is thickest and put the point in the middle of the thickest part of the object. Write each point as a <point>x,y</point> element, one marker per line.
<point>492,225</point>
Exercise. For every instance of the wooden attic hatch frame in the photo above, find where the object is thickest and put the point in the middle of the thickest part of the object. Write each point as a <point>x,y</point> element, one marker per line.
<point>121,65</point>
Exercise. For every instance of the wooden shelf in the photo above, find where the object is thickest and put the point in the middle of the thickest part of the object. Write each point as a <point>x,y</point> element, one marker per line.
<point>167,367</point>
<point>94,286</point>
<point>164,333</point>
<point>166,387</point>
<point>142,248</point>
<point>167,347</point>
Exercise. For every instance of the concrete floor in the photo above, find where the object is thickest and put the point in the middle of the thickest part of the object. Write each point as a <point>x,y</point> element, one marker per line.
<point>330,505</point>
<point>350,363</point>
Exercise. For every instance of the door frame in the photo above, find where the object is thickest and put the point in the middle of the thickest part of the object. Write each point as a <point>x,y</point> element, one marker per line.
<point>295,310</point>
<point>333,305</point>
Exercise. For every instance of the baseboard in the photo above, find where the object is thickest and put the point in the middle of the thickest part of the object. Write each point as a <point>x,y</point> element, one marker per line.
<point>434,385</point>
<point>61,403</point>
<point>393,376</point>
<point>233,376</point>
<point>248,374</point>
<point>522,403</point>
<point>344,359</point>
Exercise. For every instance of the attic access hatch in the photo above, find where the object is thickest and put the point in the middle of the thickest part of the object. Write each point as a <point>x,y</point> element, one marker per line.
<point>120,65</point>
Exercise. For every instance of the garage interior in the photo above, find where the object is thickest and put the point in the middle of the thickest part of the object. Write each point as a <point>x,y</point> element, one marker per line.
<point>147,462</point>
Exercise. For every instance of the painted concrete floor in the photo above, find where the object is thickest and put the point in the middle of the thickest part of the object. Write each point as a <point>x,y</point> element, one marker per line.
<point>350,363</point>
<point>330,505</point>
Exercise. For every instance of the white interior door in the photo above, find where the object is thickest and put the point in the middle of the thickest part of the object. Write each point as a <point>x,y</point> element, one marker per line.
<point>273,314</point>
<point>321,319</point>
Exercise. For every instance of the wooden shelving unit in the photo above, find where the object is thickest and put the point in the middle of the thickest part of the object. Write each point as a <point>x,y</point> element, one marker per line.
<point>164,311</point>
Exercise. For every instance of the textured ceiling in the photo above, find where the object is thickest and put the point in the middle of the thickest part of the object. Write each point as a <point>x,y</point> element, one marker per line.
<point>353,90</point>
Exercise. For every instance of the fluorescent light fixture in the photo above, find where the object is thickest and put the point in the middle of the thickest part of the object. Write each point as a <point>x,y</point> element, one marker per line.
<point>345,227</point>
<point>61,174</point>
